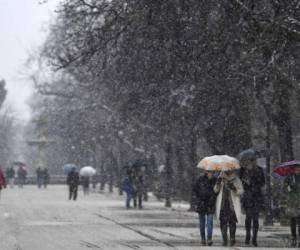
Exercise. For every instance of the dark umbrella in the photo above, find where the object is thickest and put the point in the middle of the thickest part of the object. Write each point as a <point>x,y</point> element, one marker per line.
<point>248,154</point>
<point>285,168</point>
<point>139,163</point>
<point>19,163</point>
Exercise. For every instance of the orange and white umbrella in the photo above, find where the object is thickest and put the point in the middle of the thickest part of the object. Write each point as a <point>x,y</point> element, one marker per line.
<point>219,163</point>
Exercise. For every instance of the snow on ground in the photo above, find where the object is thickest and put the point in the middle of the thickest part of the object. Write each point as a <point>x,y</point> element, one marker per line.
<point>33,219</point>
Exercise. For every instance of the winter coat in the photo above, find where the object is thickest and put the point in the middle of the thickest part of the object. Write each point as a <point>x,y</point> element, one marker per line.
<point>85,181</point>
<point>39,173</point>
<point>234,181</point>
<point>138,184</point>
<point>22,173</point>
<point>253,182</point>
<point>10,173</point>
<point>46,176</point>
<point>203,195</point>
<point>73,179</point>
<point>127,185</point>
<point>2,180</point>
<point>292,185</point>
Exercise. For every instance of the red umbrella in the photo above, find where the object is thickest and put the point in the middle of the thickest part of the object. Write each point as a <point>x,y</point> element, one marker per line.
<point>286,168</point>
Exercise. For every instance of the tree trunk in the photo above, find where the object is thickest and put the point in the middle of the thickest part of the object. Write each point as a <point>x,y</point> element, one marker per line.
<point>283,120</point>
<point>169,177</point>
<point>102,176</point>
<point>192,163</point>
<point>180,182</point>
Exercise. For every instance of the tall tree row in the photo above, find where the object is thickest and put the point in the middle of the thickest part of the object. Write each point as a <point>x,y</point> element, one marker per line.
<point>171,79</point>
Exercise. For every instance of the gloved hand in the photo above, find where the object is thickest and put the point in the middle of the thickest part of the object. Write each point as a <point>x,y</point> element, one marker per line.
<point>231,186</point>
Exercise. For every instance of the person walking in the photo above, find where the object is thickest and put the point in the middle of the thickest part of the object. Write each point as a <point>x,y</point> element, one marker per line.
<point>138,184</point>
<point>253,180</point>
<point>228,205</point>
<point>204,201</point>
<point>45,177</point>
<point>292,185</point>
<point>2,180</point>
<point>10,176</point>
<point>128,188</point>
<point>85,181</point>
<point>73,182</point>
<point>39,177</point>
<point>22,174</point>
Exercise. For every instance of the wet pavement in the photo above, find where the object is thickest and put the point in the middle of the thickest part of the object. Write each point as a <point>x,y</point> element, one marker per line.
<point>33,219</point>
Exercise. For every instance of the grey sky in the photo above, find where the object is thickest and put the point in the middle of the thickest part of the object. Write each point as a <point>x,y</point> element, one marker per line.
<point>23,27</point>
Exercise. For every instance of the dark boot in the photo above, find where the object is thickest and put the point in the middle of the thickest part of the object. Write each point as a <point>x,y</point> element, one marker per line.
<point>293,243</point>
<point>248,236</point>
<point>248,229</point>
<point>232,241</point>
<point>255,231</point>
<point>232,233</point>
<point>224,233</point>
<point>209,242</point>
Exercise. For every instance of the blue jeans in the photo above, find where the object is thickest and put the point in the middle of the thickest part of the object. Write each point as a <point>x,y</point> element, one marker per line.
<point>203,220</point>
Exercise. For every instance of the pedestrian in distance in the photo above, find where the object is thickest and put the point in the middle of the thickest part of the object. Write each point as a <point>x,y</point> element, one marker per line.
<point>73,182</point>
<point>10,176</point>
<point>292,185</point>
<point>39,177</point>
<point>22,175</point>
<point>85,182</point>
<point>45,177</point>
<point>139,186</point>
<point>253,180</point>
<point>128,187</point>
<point>2,180</point>
<point>204,202</point>
<point>228,205</point>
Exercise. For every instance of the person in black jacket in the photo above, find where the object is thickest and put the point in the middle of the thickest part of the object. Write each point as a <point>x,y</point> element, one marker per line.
<point>73,182</point>
<point>204,201</point>
<point>253,179</point>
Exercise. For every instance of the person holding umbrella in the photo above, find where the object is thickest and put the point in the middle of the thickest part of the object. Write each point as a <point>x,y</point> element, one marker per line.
<point>204,200</point>
<point>73,182</point>
<point>85,181</point>
<point>229,188</point>
<point>86,173</point>
<point>253,180</point>
<point>292,185</point>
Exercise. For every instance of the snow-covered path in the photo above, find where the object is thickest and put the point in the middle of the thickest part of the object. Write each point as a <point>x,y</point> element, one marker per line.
<point>33,219</point>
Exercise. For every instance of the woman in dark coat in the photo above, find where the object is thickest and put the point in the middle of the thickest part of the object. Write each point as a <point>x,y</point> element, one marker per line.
<point>292,185</point>
<point>204,200</point>
<point>253,179</point>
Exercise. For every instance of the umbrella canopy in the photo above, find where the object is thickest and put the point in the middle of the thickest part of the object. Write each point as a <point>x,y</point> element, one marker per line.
<point>219,163</point>
<point>19,163</point>
<point>69,167</point>
<point>139,163</point>
<point>285,168</point>
<point>87,171</point>
<point>248,154</point>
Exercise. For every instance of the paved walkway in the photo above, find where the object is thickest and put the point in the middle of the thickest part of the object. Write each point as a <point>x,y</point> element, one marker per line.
<point>33,219</point>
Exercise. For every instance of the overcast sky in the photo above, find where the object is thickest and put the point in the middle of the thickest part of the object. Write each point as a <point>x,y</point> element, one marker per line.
<point>23,27</point>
